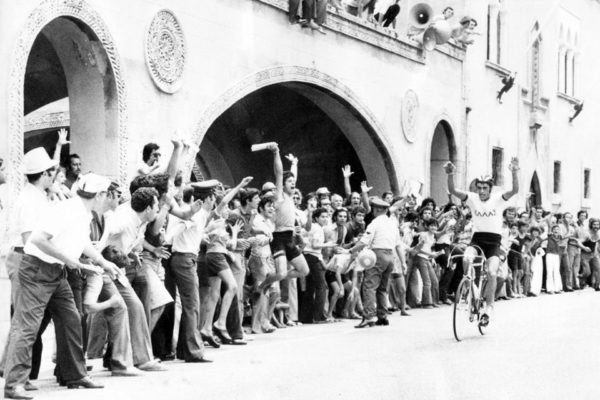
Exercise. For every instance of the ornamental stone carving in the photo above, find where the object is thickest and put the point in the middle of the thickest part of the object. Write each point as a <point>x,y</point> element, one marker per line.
<point>165,51</point>
<point>410,108</point>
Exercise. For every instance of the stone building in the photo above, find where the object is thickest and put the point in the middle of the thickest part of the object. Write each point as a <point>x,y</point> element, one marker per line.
<point>229,73</point>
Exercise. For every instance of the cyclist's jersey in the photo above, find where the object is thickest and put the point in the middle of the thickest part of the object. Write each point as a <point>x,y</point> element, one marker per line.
<point>487,215</point>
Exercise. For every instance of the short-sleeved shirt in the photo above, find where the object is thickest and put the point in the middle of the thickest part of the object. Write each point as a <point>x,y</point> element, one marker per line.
<point>382,233</point>
<point>264,226</point>
<point>188,241</point>
<point>428,241</point>
<point>487,215</point>
<point>69,227</point>
<point>315,236</point>
<point>124,229</point>
<point>31,206</point>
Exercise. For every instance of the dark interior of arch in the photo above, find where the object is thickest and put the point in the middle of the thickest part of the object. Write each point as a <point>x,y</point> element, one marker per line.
<point>278,113</point>
<point>45,79</point>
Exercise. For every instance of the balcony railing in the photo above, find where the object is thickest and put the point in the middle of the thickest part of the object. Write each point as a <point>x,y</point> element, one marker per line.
<point>393,41</point>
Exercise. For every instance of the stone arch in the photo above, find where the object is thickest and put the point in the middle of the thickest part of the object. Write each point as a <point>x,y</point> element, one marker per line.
<point>298,75</point>
<point>441,132</point>
<point>40,17</point>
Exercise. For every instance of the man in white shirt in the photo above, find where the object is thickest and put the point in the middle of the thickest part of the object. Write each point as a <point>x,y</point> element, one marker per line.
<point>486,208</point>
<point>31,205</point>
<point>58,241</point>
<point>186,245</point>
<point>125,230</point>
<point>383,237</point>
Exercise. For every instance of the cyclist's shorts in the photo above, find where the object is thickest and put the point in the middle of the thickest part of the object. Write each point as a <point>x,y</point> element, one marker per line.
<point>489,243</point>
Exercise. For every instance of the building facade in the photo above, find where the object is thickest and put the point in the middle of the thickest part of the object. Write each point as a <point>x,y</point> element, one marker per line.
<point>231,73</point>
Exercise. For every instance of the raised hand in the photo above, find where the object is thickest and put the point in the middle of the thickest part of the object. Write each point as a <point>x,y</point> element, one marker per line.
<point>237,227</point>
<point>347,172</point>
<point>62,137</point>
<point>246,181</point>
<point>274,147</point>
<point>364,187</point>
<point>176,141</point>
<point>449,168</point>
<point>196,206</point>
<point>514,164</point>
<point>292,158</point>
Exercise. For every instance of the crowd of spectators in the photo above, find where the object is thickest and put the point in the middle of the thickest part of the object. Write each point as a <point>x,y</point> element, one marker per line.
<point>107,263</point>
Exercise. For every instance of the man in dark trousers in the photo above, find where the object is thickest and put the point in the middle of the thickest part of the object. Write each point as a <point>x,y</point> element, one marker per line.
<point>61,237</point>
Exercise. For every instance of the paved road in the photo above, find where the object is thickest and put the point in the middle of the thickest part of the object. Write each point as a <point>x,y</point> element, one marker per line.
<point>537,348</point>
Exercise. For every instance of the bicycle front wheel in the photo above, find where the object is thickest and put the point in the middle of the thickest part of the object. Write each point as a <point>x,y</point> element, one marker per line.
<point>462,310</point>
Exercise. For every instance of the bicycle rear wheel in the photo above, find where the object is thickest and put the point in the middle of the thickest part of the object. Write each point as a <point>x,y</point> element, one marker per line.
<point>462,310</point>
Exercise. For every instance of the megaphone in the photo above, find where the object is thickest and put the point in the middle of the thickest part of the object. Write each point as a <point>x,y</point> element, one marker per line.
<point>420,15</point>
<point>438,33</point>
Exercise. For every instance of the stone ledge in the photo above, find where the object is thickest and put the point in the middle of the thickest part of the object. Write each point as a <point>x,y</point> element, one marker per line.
<point>375,35</point>
<point>497,67</point>
<point>566,97</point>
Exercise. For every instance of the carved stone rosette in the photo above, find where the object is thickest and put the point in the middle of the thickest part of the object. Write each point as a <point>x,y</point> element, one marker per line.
<point>165,51</point>
<point>410,109</point>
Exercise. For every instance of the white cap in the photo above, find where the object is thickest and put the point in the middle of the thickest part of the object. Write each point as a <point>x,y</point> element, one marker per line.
<point>92,183</point>
<point>37,160</point>
<point>268,186</point>
<point>322,190</point>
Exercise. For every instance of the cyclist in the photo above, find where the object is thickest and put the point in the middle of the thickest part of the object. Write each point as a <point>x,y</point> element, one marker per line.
<point>486,209</point>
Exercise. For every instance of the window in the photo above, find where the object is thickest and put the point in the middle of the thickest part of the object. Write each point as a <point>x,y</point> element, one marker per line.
<point>586,183</point>
<point>495,17</point>
<point>497,161</point>
<point>556,189</point>
<point>568,57</point>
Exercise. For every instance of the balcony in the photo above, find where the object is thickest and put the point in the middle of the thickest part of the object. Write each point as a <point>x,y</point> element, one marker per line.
<point>390,40</point>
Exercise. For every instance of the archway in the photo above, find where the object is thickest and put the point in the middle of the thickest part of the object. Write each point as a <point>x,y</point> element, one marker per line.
<point>315,124</point>
<point>67,61</point>
<point>443,149</point>
<point>91,69</point>
<point>535,198</point>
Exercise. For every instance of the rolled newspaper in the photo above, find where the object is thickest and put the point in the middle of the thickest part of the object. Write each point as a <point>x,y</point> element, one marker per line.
<point>261,146</point>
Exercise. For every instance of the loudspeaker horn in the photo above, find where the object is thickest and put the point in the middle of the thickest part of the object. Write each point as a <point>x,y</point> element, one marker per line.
<point>420,15</point>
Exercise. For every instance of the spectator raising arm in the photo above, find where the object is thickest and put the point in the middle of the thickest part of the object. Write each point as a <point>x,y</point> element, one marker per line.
<point>347,173</point>
<point>231,194</point>
<point>451,171</point>
<point>278,170</point>
<point>364,192</point>
<point>62,140</point>
<point>294,167</point>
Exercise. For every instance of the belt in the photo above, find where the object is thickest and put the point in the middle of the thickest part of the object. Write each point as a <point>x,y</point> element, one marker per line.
<point>178,253</point>
<point>384,250</point>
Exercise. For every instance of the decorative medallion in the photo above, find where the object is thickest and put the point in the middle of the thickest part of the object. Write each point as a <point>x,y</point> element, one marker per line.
<point>410,108</point>
<point>165,51</point>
